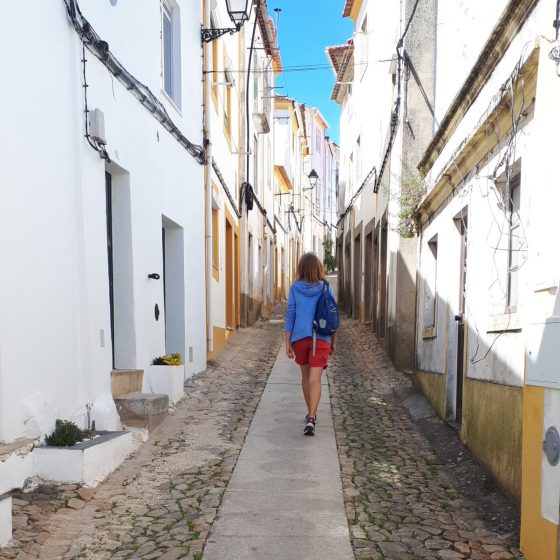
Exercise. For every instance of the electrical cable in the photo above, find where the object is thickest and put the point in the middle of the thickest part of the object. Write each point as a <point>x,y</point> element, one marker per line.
<point>100,49</point>
<point>95,145</point>
<point>225,187</point>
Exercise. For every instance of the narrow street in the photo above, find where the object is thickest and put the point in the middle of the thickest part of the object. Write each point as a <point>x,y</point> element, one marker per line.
<point>402,500</point>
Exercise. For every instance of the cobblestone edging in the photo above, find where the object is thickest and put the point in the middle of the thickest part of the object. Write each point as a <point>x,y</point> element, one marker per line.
<point>401,502</point>
<point>162,502</point>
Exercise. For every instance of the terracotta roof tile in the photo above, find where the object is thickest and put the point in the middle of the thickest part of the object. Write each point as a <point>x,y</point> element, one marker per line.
<point>348,8</point>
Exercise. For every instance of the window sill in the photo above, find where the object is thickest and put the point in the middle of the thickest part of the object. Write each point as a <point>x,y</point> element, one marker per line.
<point>429,332</point>
<point>503,323</point>
<point>169,99</point>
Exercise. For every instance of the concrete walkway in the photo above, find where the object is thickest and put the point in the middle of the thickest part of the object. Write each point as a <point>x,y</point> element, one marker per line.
<point>284,500</point>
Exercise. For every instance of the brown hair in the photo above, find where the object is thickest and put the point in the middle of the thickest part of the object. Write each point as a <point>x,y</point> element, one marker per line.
<point>310,269</point>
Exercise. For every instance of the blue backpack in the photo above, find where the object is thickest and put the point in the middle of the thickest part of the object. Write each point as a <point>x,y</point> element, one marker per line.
<point>326,318</point>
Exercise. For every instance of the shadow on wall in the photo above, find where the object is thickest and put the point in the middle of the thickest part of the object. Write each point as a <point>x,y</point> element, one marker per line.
<point>489,414</point>
<point>379,282</point>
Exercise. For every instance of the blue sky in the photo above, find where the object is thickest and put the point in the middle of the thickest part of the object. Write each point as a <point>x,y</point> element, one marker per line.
<point>306,28</point>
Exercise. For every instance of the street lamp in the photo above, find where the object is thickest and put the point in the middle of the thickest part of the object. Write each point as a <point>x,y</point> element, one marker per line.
<point>239,11</point>
<point>313,178</point>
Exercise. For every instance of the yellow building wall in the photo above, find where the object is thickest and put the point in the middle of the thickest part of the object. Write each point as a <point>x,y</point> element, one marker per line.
<point>433,387</point>
<point>492,430</point>
<point>539,537</point>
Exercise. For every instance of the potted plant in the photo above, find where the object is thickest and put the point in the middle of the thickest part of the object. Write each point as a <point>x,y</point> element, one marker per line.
<point>73,455</point>
<point>167,376</point>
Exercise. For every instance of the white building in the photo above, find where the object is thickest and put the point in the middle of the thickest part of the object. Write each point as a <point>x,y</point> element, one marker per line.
<point>489,267</point>
<point>376,261</point>
<point>102,212</point>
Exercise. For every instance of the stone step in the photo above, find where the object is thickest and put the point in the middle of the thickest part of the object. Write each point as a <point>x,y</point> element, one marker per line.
<point>142,410</point>
<point>126,381</point>
<point>5,519</point>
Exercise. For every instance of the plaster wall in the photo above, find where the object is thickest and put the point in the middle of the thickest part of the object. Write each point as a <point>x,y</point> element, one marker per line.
<point>537,24</point>
<point>365,125</point>
<point>226,147</point>
<point>481,202</point>
<point>55,329</point>
<point>462,30</point>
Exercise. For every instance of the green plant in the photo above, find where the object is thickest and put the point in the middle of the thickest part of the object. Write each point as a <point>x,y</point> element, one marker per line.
<point>412,191</point>
<point>329,260</point>
<point>66,434</point>
<point>169,360</point>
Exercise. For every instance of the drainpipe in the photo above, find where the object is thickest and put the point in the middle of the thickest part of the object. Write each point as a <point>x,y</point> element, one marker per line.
<point>207,56</point>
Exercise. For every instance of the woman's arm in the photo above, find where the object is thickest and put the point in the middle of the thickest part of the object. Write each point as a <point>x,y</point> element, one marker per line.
<point>289,325</point>
<point>289,349</point>
<point>333,344</point>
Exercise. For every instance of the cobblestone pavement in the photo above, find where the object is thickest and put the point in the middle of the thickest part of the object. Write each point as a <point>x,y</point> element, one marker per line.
<point>402,502</point>
<point>162,502</point>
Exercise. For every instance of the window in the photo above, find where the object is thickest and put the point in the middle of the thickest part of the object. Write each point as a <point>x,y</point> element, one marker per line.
<point>430,288</point>
<point>215,244</point>
<point>227,110</point>
<point>514,245</point>
<point>318,137</point>
<point>171,51</point>
<point>229,82</point>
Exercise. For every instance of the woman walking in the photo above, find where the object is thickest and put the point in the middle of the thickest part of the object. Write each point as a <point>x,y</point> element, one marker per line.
<point>311,354</point>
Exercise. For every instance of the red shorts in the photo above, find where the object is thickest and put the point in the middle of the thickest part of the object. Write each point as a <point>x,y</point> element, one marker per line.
<point>303,349</point>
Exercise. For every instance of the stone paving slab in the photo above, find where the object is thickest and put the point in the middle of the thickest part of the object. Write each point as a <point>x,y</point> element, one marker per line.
<point>284,499</point>
<point>278,548</point>
<point>287,502</point>
<point>282,447</point>
<point>283,524</point>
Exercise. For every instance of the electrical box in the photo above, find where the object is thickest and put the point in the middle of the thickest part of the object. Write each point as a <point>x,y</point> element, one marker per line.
<point>96,126</point>
<point>543,353</point>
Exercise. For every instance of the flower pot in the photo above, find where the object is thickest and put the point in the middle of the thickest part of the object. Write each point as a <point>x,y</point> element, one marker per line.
<point>167,380</point>
<point>87,462</point>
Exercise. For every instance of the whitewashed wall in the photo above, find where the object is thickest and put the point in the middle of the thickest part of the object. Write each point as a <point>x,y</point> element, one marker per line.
<point>487,259</point>
<point>365,116</point>
<point>464,32</point>
<point>54,292</point>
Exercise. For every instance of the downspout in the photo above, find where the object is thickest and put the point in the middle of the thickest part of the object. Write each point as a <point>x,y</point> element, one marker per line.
<point>207,56</point>
<point>243,207</point>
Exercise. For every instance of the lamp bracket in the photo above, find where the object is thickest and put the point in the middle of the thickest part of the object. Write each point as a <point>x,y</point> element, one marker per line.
<point>209,35</point>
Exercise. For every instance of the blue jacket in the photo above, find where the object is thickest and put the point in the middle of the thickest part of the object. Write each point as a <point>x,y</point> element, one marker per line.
<point>302,303</point>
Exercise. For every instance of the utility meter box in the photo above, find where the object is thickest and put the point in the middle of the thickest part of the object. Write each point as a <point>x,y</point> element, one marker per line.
<point>96,126</point>
<point>543,353</point>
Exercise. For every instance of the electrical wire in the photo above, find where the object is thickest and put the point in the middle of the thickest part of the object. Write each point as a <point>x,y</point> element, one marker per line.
<point>100,49</point>
<point>98,147</point>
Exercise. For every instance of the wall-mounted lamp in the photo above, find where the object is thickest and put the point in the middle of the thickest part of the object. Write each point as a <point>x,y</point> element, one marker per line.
<point>239,11</point>
<point>313,179</point>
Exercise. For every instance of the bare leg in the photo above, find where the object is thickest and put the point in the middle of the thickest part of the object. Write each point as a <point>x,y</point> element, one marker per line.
<point>314,378</point>
<point>305,383</point>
